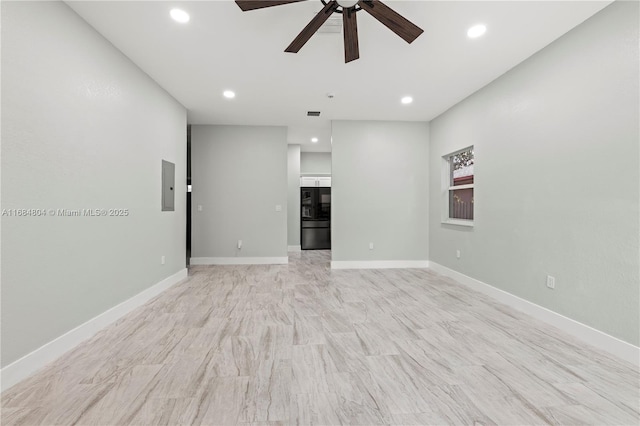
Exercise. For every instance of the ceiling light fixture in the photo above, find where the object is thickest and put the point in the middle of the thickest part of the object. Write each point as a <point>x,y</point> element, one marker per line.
<point>346,4</point>
<point>314,140</point>
<point>476,31</point>
<point>406,100</point>
<point>228,94</point>
<point>179,15</point>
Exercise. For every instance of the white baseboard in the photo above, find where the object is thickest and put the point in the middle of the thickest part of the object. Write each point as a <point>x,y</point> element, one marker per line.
<point>30,363</point>
<point>295,248</point>
<point>239,260</point>
<point>378,264</point>
<point>590,335</point>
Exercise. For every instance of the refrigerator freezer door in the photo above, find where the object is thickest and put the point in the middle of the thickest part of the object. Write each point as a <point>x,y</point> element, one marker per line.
<point>316,238</point>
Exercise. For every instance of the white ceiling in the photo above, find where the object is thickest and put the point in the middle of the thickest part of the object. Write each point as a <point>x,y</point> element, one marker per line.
<point>224,48</point>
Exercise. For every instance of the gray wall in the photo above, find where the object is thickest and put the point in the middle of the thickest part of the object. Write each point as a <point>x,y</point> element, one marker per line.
<point>82,127</point>
<point>293,199</point>
<point>556,144</point>
<point>315,163</point>
<point>239,175</point>
<point>380,190</point>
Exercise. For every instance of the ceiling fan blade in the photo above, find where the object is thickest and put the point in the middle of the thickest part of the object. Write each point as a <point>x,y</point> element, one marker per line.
<point>350,30</point>
<point>312,27</point>
<point>391,19</point>
<point>260,4</point>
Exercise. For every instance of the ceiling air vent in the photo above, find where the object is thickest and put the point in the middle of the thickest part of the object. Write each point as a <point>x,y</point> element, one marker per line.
<point>332,25</point>
<point>313,113</point>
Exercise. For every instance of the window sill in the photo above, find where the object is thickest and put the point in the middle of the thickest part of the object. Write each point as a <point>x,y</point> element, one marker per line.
<point>458,222</point>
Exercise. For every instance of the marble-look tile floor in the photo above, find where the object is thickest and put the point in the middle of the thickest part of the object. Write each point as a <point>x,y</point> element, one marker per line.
<point>301,344</point>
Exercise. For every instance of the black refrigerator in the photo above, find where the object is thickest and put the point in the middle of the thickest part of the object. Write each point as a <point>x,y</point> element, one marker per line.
<point>315,218</point>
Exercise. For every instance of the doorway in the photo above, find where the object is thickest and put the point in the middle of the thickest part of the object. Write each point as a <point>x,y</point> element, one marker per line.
<point>188,239</point>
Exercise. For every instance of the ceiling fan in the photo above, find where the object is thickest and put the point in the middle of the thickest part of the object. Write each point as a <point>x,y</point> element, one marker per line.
<point>348,8</point>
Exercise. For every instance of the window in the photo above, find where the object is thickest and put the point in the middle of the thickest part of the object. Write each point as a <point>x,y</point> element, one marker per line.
<point>459,187</point>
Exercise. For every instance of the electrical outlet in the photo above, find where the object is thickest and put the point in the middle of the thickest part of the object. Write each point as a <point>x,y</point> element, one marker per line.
<point>278,208</point>
<point>370,246</point>
<point>239,244</point>
<point>457,254</point>
<point>162,260</point>
<point>199,207</point>
<point>551,282</point>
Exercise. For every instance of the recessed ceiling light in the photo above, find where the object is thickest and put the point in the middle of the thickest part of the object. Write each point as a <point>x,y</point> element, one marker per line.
<point>406,100</point>
<point>476,31</point>
<point>314,140</point>
<point>229,94</point>
<point>179,15</point>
